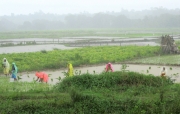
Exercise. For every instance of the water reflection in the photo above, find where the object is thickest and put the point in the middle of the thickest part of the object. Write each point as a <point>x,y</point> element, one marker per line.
<point>54,43</point>
<point>32,48</point>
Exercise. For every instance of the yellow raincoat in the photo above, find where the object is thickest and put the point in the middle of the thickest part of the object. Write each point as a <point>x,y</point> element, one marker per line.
<point>70,69</point>
<point>6,66</point>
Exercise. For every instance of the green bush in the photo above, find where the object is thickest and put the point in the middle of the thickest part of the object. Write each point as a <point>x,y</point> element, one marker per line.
<point>109,80</point>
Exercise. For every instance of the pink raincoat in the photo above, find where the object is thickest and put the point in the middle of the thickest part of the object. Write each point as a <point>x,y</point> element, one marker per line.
<point>109,67</point>
<point>42,76</point>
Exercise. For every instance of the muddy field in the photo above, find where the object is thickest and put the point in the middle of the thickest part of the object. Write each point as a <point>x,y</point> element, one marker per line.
<point>172,71</point>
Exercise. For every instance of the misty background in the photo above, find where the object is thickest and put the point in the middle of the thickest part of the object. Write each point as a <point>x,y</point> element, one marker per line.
<point>157,17</point>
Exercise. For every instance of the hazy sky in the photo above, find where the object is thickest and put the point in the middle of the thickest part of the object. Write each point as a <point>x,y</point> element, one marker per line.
<point>76,6</point>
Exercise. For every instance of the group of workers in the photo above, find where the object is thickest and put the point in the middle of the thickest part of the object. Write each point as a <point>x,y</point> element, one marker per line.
<point>6,69</point>
<point>43,77</point>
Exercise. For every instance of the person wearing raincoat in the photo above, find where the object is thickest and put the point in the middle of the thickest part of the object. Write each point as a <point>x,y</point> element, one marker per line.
<point>70,70</point>
<point>6,66</point>
<point>163,72</point>
<point>14,71</point>
<point>42,77</point>
<point>109,67</point>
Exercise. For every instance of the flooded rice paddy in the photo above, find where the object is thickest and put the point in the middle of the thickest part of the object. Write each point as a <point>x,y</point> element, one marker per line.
<point>54,43</point>
<point>55,74</point>
<point>33,48</point>
<point>172,71</point>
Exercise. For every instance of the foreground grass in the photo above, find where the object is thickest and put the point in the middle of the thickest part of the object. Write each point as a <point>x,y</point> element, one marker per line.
<point>115,93</point>
<point>23,97</point>
<point>7,86</point>
<point>161,59</point>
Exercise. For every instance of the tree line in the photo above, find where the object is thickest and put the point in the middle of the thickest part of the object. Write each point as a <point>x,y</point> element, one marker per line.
<point>154,18</point>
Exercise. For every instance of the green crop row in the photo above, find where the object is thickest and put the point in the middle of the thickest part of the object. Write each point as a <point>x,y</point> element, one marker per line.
<point>81,56</point>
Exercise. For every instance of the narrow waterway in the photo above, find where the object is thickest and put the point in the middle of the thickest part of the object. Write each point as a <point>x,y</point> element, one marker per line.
<point>33,48</point>
<point>44,46</point>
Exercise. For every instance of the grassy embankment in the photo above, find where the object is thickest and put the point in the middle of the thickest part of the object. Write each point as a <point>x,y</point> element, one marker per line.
<point>160,60</point>
<point>115,93</point>
<point>169,59</point>
<point>123,33</point>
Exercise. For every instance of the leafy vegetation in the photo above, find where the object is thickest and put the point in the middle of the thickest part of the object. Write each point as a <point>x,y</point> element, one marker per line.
<point>117,92</point>
<point>82,56</point>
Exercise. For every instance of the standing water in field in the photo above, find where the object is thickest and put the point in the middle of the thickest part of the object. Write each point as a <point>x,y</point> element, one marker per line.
<point>32,48</point>
<point>54,76</point>
<point>50,44</point>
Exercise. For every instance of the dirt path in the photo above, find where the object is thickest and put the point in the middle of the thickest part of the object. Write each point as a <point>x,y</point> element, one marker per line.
<point>145,69</point>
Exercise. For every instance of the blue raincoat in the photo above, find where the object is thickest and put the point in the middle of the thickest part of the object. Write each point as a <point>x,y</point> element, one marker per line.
<point>14,71</point>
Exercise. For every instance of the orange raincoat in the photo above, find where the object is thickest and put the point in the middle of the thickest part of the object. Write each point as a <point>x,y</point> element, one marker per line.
<point>43,76</point>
